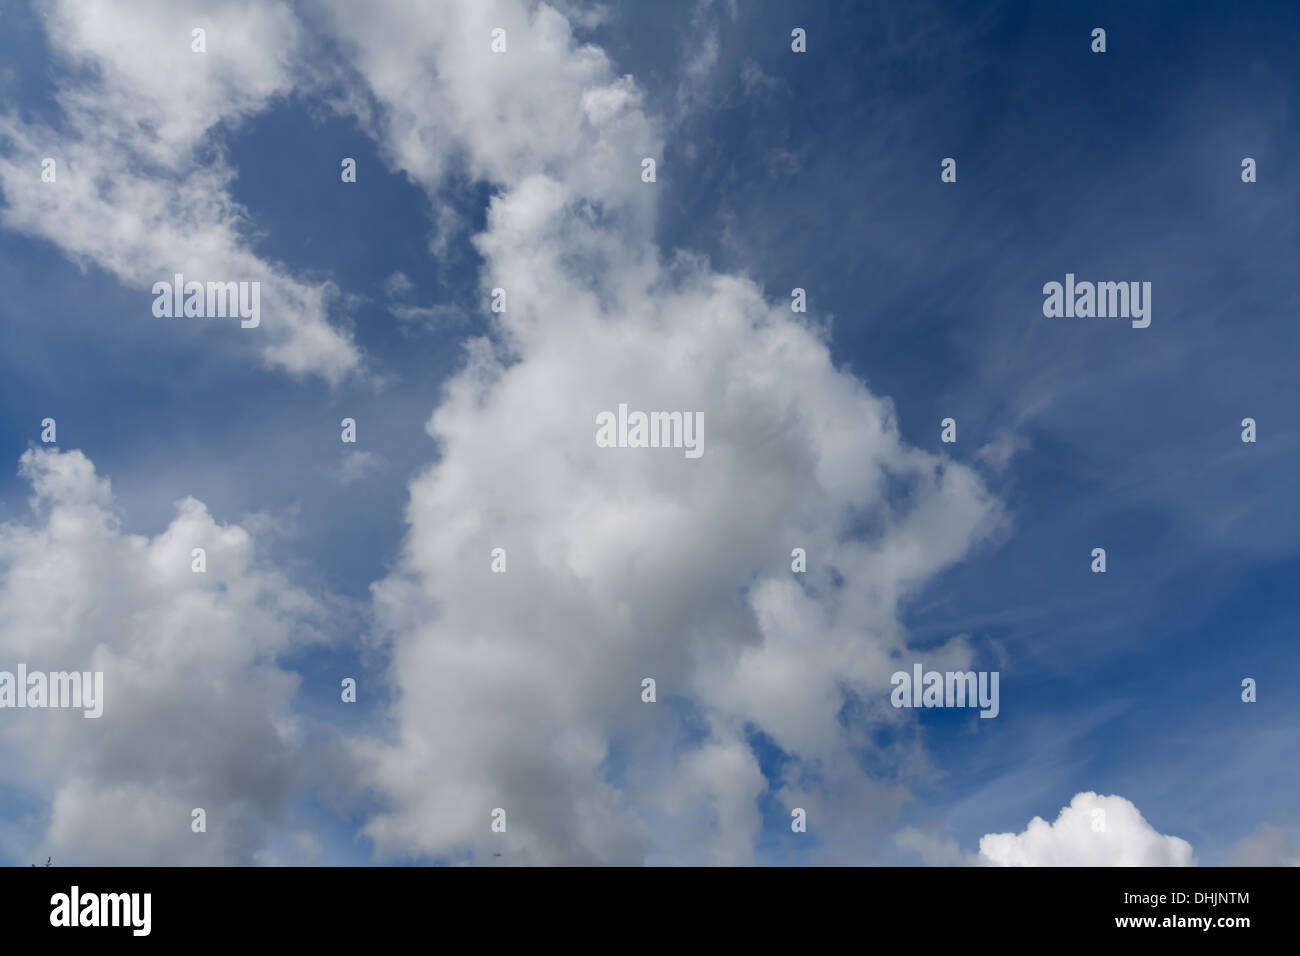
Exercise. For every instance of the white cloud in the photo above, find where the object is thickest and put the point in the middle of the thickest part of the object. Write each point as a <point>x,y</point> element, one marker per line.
<point>358,466</point>
<point>754,79</point>
<point>140,191</point>
<point>430,316</point>
<point>196,711</point>
<point>1124,839</point>
<point>515,690</point>
<point>1004,446</point>
<point>1269,845</point>
<point>698,66</point>
<point>519,690</point>
<point>933,849</point>
<point>505,116</point>
<point>397,285</point>
<point>584,14</point>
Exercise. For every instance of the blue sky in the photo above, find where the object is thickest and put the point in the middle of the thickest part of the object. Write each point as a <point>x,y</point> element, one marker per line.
<point>819,171</point>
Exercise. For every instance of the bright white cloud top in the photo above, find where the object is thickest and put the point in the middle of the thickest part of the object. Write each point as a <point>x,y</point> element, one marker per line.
<point>1094,830</point>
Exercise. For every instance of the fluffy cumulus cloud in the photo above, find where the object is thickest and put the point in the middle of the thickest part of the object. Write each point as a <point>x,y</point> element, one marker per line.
<point>195,708</point>
<point>522,690</point>
<point>1093,830</point>
<point>140,190</point>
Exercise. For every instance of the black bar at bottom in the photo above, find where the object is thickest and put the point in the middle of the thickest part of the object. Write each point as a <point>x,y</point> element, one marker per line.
<point>654,908</point>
